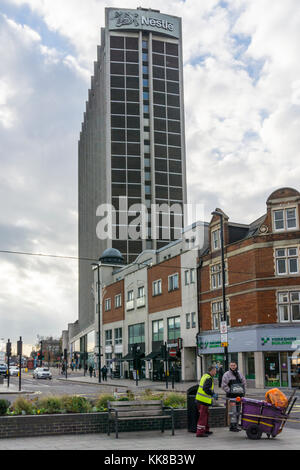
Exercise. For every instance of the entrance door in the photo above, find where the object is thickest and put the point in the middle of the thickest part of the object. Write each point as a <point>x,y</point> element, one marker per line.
<point>294,371</point>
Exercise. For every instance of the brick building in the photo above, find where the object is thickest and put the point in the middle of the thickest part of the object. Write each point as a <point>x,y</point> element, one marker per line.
<point>262,287</point>
<point>149,303</point>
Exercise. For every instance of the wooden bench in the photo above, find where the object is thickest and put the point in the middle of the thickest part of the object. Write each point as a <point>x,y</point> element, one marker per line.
<point>138,410</point>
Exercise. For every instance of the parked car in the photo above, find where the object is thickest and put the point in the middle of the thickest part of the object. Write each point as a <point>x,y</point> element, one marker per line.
<point>42,373</point>
<point>14,371</point>
<point>3,369</point>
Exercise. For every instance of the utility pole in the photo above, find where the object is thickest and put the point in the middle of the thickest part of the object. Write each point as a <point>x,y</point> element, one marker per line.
<point>221,216</point>
<point>19,353</point>
<point>8,354</point>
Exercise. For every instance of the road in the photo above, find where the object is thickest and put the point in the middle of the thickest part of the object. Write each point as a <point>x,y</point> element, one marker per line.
<point>54,387</point>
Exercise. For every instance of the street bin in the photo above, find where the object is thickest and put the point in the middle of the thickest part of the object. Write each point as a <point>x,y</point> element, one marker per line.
<point>192,411</point>
<point>1,380</point>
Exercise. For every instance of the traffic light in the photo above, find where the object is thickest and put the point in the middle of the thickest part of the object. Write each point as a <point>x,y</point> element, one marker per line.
<point>8,348</point>
<point>65,354</point>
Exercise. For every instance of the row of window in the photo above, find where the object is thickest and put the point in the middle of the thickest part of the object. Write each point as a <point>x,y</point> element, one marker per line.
<point>136,333</point>
<point>120,82</point>
<point>283,220</point>
<point>173,284</point>
<point>131,43</point>
<point>133,109</point>
<point>129,69</point>
<point>119,147</point>
<point>119,55</point>
<point>288,309</point>
<point>286,263</point>
<point>118,95</point>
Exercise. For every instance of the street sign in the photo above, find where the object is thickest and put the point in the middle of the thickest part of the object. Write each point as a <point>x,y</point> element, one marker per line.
<point>224,338</point>
<point>223,327</point>
<point>173,352</point>
<point>224,345</point>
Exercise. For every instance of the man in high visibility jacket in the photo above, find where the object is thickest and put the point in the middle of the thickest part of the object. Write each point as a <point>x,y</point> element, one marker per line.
<point>204,397</point>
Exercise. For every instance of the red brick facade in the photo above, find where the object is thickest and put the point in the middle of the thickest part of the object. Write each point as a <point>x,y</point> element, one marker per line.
<point>167,299</point>
<point>253,283</point>
<point>115,313</point>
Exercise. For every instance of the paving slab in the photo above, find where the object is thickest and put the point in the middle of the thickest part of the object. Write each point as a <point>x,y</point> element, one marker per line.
<point>221,439</point>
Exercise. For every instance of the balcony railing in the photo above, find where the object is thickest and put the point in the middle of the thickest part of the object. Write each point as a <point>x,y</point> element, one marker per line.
<point>130,305</point>
<point>141,301</point>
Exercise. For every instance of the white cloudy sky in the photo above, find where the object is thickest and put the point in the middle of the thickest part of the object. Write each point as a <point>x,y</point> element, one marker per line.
<point>242,105</point>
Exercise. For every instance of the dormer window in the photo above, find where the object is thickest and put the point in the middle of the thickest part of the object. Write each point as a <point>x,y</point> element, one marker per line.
<point>285,219</point>
<point>216,239</point>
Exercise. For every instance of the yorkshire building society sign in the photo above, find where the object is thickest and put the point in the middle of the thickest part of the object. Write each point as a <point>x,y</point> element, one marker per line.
<point>119,20</point>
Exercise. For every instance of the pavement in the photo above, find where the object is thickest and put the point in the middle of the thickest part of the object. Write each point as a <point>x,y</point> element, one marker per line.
<point>221,439</point>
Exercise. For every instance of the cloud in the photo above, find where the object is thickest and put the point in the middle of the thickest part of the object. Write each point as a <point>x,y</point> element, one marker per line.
<point>242,106</point>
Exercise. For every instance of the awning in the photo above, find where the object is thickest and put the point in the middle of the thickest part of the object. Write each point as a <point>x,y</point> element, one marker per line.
<point>128,357</point>
<point>152,355</point>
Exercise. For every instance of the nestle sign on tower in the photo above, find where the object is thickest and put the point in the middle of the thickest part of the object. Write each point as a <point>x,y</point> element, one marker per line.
<point>146,20</point>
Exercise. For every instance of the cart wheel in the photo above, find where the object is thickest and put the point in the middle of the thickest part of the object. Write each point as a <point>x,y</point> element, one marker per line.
<point>253,432</point>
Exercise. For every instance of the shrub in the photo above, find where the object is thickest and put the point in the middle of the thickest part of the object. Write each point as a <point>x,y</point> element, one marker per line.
<point>75,404</point>
<point>102,400</point>
<point>23,406</point>
<point>4,405</point>
<point>50,405</point>
<point>175,400</point>
<point>149,395</point>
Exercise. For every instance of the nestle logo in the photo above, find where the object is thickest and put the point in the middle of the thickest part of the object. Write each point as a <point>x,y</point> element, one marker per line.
<point>124,18</point>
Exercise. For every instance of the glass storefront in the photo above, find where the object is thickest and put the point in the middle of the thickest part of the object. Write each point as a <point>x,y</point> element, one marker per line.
<point>249,365</point>
<point>281,369</point>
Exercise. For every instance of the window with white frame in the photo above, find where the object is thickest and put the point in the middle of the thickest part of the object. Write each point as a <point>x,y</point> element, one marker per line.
<point>108,337</point>
<point>118,300</point>
<point>289,306</point>
<point>285,219</point>
<point>217,313</point>
<point>141,292</point>
<point>129,295</point>
<point>158,330</point>
<point>216,275</point>
<point>118,335</point>
<point>107,304</point>
<point>156,287</point>
<point>189,276</point>
<point>216,239</point>
<point>141,299</point>
<point>287,261</point>
<point>188,321</point>
<point>173,282</point>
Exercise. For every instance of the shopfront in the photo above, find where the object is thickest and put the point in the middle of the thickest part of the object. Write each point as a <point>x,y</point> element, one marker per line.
<point>267,356</point>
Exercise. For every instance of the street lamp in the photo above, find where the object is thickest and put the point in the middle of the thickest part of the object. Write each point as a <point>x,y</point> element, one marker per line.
<point>221,215</point>
<point>99,306</point>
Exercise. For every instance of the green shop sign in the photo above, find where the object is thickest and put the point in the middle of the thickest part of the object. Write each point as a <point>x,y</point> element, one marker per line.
<point>275,341</point>
<point>209,344</point>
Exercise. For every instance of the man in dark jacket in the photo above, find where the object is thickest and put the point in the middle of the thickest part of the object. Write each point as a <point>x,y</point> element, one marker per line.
<point>230,378</point>
<point>204,397</point>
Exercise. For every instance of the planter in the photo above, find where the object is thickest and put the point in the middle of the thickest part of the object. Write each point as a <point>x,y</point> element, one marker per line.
<point>88,423</point>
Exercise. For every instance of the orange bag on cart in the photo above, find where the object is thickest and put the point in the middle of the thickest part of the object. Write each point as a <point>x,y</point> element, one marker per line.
<point>276,397</point>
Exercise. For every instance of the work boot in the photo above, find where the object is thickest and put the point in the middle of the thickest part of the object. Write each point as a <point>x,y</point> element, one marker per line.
<point>234,429</point>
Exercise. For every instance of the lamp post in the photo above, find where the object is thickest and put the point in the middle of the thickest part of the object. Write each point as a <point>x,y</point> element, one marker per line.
<point>99,306</point>
<point>221,215</point>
